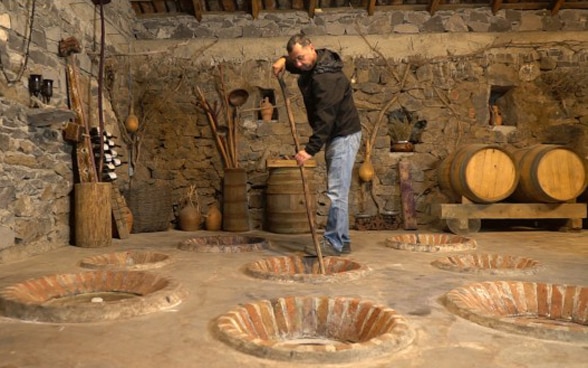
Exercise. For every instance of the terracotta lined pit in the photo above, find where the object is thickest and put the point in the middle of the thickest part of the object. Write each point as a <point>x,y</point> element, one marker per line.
<point>541,310</point>
<point>306,269</point>
<point>314,329</point>
<point>494,264</point>
<point>430,242</point>
<point>89,296</point>
<point>224,244</point>
<point>130,260</point>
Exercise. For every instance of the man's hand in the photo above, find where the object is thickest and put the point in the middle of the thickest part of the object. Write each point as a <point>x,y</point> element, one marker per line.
<point>279,66</point>
<point>301,157</point>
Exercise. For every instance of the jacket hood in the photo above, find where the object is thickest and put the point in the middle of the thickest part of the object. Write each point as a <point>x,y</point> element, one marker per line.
<point>327,62</point>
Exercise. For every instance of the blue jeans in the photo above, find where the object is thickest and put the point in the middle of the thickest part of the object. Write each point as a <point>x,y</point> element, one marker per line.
<point>340,156</point>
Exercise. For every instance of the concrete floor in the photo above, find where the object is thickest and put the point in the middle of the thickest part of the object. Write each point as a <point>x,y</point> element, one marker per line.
<point>402,280</point>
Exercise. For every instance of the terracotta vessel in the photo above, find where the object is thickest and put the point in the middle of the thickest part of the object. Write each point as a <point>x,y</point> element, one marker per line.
<point>402,146</point>
<point>214,218</point>
<point>189,218</point>
<point>267,109</point>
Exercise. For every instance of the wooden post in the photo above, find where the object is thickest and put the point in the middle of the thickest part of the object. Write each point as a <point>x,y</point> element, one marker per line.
<point>406,192</point>
<point>93,216</point>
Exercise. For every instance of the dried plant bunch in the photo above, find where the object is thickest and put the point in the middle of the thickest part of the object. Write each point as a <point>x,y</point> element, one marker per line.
<point>191,198</point>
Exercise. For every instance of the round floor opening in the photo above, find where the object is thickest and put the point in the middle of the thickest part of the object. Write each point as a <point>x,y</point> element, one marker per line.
<point>430,242</point>
<point>89,296</point>
<point>541,310</point>
<point>224,244</point>
<point>129,260</point>
<point>493,264</point>
<point>306,269</point>
<point>314,329</point>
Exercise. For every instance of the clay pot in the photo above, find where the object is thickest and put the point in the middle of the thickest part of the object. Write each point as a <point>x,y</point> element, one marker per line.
<point>267,109</point>
<point>214,218</point>
<point>402,146</point>
<point>496,116</point>
<point>189,218</point>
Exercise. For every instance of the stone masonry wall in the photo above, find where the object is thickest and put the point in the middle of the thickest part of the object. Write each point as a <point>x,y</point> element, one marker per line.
<point>154,65</point>
<point>36,179</point>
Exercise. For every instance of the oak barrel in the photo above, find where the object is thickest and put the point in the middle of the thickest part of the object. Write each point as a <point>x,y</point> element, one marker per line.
<point>235,204</point>
<point>285,200</point>
<point>93,215</point>
<point>549,173</point>
<point>482,173</point>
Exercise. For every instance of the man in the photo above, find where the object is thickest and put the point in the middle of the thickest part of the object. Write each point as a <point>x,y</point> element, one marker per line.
<point>335,124</point>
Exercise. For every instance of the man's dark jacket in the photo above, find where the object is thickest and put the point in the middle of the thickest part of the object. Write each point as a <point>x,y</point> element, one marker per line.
<point>328,98</point>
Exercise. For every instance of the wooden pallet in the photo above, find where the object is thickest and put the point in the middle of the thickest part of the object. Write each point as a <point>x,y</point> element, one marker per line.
<point>119,210</point>
<point>463,218</point>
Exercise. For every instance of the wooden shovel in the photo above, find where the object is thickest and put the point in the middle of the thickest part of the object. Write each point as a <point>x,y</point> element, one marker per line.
<point>303,176</point>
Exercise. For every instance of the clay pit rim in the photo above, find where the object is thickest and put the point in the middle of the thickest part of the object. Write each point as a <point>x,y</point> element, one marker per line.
<point>430,242</point>
<point>134,260</point>
<point>224,244</point>
<point>492,264</point>
<point>35,299</point>
<point>541,310</point>
<point>306,269</point>
<point>314,329</point>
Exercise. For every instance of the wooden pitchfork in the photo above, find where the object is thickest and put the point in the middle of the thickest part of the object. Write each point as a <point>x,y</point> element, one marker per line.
<point>303,176</point>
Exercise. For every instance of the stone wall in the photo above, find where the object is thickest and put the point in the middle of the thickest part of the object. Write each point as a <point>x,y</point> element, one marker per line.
<point>154,65</point>
<point>453,94</point>
<point>36,163</point>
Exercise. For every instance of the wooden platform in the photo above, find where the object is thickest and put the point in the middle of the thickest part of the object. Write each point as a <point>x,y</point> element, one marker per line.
<point>465,217</point>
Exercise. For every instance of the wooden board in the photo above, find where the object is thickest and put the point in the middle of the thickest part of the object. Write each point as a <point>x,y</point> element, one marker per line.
<point>513,210</point>
<point>407,195</point>
<point>119,208</point>
<point>272,162</point>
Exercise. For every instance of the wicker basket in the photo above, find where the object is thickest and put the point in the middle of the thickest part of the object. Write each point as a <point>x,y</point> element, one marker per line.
<point>151,204</point>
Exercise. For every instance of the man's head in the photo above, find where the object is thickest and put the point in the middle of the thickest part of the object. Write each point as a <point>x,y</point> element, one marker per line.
<point>301,52</point>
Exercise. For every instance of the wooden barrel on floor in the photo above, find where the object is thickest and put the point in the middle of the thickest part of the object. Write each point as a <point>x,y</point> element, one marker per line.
<point>549,173</point>
<point>93,215</point>
<point>235,204</point>
<point>285,201</point>
<point>482,173</point>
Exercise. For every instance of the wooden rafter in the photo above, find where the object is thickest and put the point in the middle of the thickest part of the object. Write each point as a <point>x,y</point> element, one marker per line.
<point>496,6</point>
<point>311,8</point>
<point>371,7</point>
<point>198,9</point>
<point>557,4</point>
<point>433,6</point>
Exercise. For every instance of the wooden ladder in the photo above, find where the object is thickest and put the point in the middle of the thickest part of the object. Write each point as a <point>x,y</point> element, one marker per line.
<point>119,210</point>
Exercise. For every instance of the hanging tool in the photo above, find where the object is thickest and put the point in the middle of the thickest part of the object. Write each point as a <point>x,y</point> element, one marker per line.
<point>85,162</point>
<point>303,176</point>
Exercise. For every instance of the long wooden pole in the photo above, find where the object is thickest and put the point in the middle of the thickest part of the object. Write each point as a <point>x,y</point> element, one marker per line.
<point>303,176</point>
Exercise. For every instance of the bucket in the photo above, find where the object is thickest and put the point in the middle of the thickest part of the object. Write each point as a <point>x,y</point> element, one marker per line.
<point>235,206</point>
<point>549,173</point>
<point>481,173</point>
<point>285,200</point>
<point>93,215</point>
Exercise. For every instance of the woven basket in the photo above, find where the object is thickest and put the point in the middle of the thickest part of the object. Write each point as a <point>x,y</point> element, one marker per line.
<point>151,205</point>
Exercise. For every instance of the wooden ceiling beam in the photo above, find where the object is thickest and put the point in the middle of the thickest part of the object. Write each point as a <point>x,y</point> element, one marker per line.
<point>556,5</point>
<point>496,6</point>
<point>198,9</point>
<point>433,6</point>
<point>371,7</point>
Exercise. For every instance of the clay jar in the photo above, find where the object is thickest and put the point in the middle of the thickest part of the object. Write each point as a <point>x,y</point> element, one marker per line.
<point>214,218</point>
<point>189,218</point>
<point>402,146</point>
<point>267,109</point>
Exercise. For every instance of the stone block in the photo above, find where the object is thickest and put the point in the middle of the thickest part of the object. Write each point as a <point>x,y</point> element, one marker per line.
<point>6,237</point>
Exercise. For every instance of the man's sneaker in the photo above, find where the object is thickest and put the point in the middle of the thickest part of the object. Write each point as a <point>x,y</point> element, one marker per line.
<point>326,249</point>
<point>346,248</point>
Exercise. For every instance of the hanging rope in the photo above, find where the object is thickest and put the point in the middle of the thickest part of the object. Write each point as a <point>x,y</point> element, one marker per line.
<point>23,66</point>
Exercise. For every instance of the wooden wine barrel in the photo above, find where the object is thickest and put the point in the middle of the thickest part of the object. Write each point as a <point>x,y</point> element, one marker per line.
<point>481,173</point>
<point>549,173</point>
<point>285,200</point>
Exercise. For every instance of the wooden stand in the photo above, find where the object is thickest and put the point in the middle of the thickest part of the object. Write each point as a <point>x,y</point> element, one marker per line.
<point>465,217</point>
<point>93,222</point>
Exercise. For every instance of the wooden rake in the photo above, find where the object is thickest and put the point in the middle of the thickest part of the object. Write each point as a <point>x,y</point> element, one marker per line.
<point>303,177</point>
